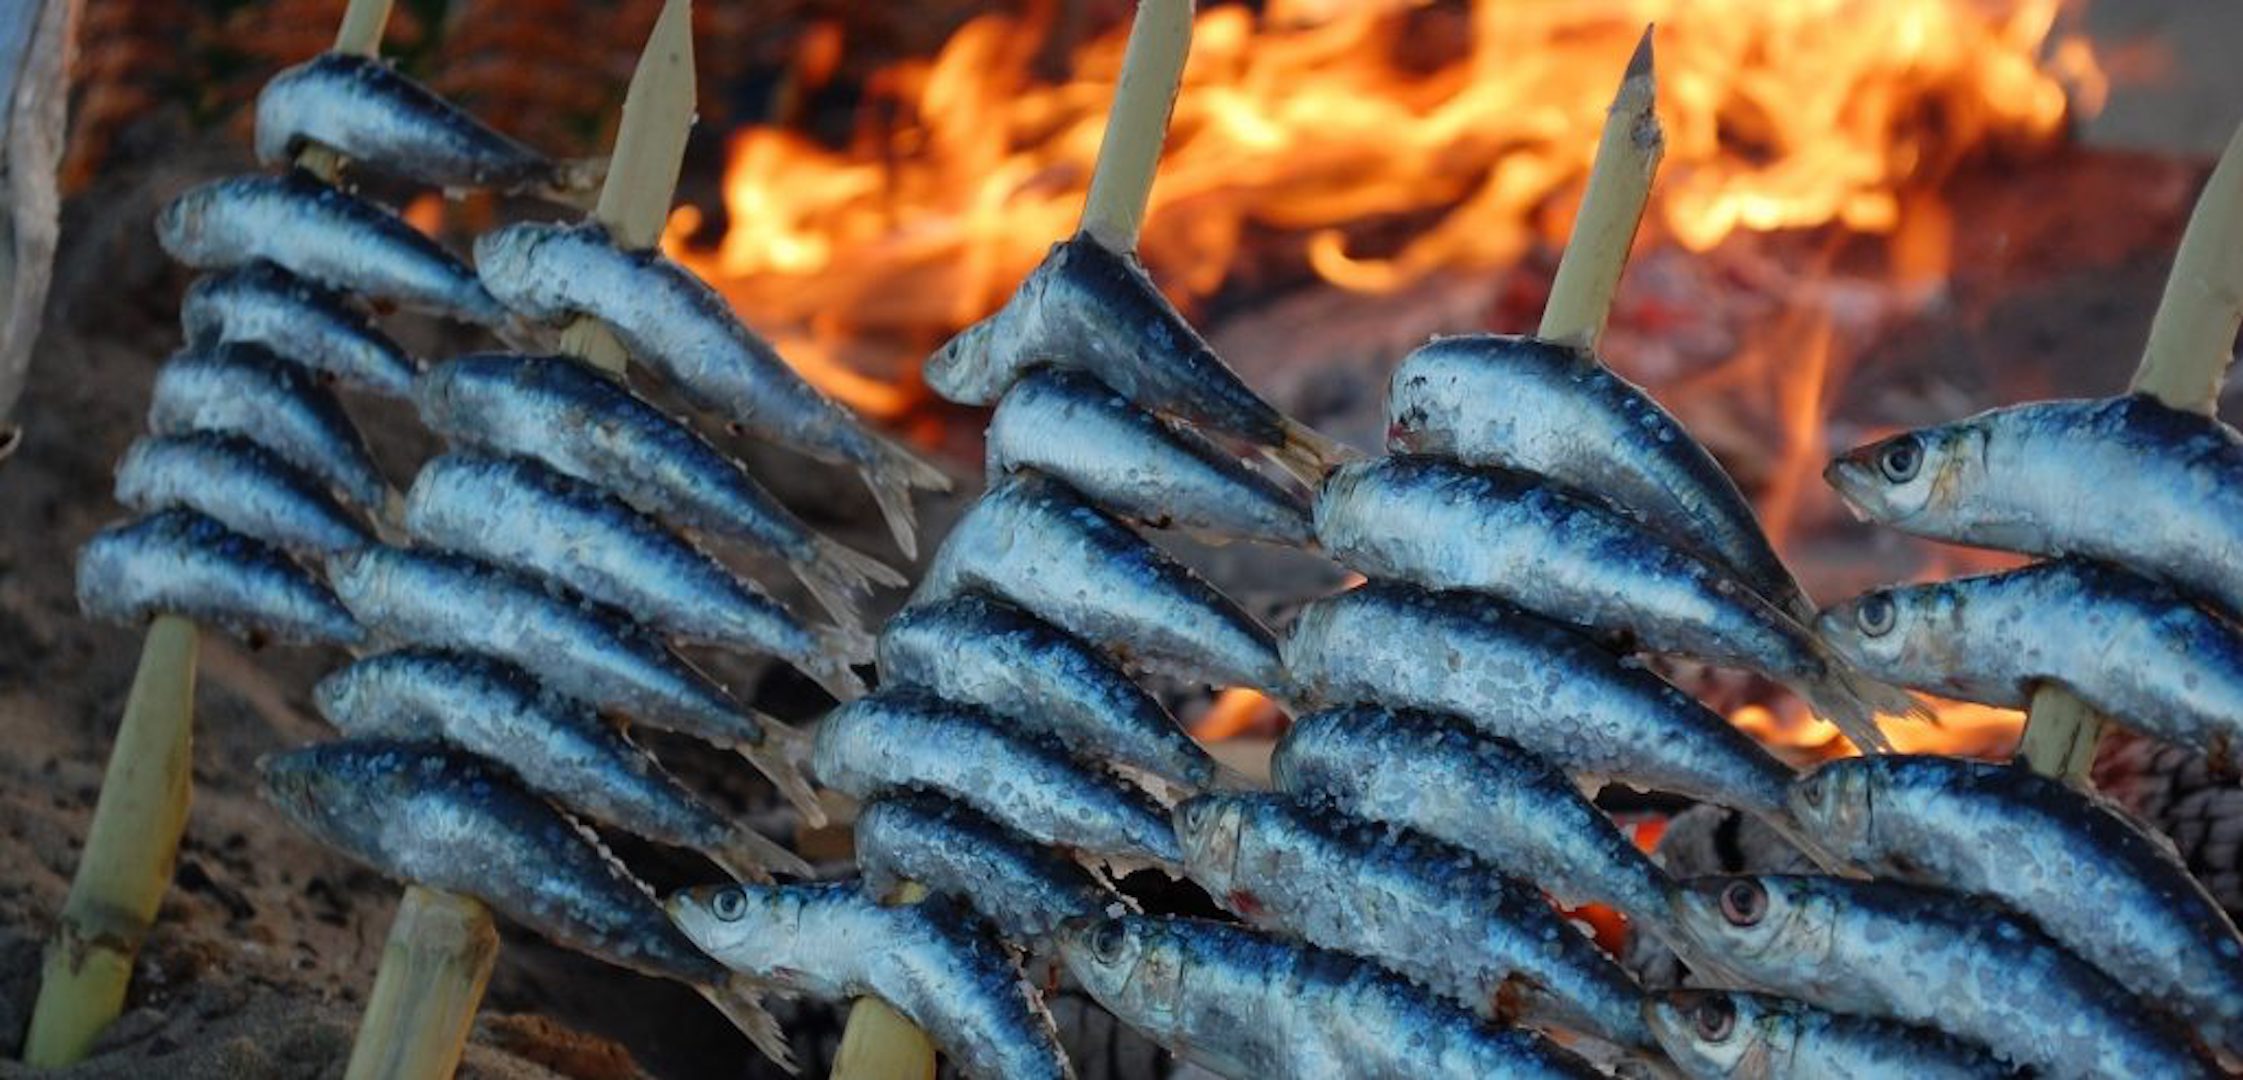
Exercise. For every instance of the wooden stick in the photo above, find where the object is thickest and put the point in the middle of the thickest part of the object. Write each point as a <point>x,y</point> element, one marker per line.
<point>1152,70</point>
<point>1611,208</point>
<point>2191,342</point>
<point>129,853</point>
<point>642,174</point>
<point>880,1043</point>
<point>434,967</point>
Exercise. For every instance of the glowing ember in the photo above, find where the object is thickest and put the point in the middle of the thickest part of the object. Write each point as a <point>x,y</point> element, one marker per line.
<point>1780,114</point>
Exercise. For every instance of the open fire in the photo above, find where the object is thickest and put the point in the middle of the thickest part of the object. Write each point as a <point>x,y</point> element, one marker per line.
<point>1333,136</point>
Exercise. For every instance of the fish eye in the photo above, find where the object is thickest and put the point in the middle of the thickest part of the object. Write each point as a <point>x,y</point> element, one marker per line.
<point>1107,941</point>
<point>1900,459</point>
<point>1875,614</point>
<point>1744,903</point>
<point>729,904</point>
<point>1715,1018</point>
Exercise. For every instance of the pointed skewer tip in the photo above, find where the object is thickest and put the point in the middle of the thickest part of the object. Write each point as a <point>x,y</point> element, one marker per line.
<point>1639,64</point>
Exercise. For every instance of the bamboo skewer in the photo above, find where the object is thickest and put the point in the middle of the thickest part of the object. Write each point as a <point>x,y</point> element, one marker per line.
<point>2191,342</point>
<point>1628,156</point>
<point>141,814</point>
<point>878,1043</point>
<point>441,947</point>
<point>643,171</point>
<point>129,853</point>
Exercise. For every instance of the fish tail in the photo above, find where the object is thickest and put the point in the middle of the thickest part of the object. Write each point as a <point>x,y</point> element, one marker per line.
<point>741,1001</point>
<point>1306,453</point>
<point>1841,694</point>
<point>1223,778</point>
<point>784,759</point>
<point>1829,862</point>
<point>838,650</point>
<point>841,579</point>
<point>748,855</point>
<point>892,474</point>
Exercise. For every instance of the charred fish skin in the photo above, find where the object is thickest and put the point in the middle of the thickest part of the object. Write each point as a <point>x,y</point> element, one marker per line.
<point>1036,543</point>
<point>1734,1035</point>
<point>676,323</point>
<point>2131,647</point>
<point>364,109</point>
<point>1450,526</point>
<point>2038,479</point>
<point>559,748</point>
<point>241,485</point>
<point>181,562</point>
<point>903,738</point>
<point>1070,426</point>
<point>1479,792</point>
<point>592,427</point>
<point>983,651</point>
<point>934,961</point>
<point>2113,894</point>
<point>1091,308</point>
<point>1516,676</point>
<point>423,814</point>
<point>246,390</point>
<point>517,513</point>
<point>303,320</point>
<point>1023,889</point>
<point>1927,956</point>
<point>317,232</point>
<point>1247,1006</point>
<point>1442,918</point>
<point>588,652</point>
<point>1549,409</point>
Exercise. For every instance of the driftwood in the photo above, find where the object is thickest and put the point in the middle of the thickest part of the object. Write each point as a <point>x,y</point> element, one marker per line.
<point>36,43</point>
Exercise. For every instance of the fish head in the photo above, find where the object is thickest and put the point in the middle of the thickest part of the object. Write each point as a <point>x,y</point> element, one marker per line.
<point>343,790</point>
<point>1719,1032</point>
<point>733,923</point>
<point>971,368</point>
<point>1132,964</point>
<point>1833,803</point>
<point>1208,829</point>
<point>179,225</point>
<point>1901,634</point>
<point>1915,481</point>
<point>1755,922</point>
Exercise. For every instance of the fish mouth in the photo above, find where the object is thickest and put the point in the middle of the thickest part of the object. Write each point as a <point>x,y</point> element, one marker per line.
<point>1844,475</point>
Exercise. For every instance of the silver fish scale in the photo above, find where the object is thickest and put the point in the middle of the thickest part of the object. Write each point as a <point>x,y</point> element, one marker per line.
<point>243,486</point>
<point>934,961</point>
<point>436,817</point>
<point>180,562</point>
<point>901,739</point>
<point>320,233</point>
<point>516,513</point>
<point>1420,907</point>
<point>1249,1006</point>
<point>2040,479</point>
<point>299,319</point>
<point>1930,957</point>
<point>1135,465</point>
<point>557,747</point>
<point>1770,1038</point>
<point>2112,893</point>
<point>585,651</point>
<point>1025,890</point>
<point>371,114</point>
<point>1552,410</point>
<point>2132,648</point>
<point>244,389</point>
<point>1482,793</point>
<point>1538,684</point>
<point>1034,542</point>
<point>1450,526</point>
<point>982,651</point>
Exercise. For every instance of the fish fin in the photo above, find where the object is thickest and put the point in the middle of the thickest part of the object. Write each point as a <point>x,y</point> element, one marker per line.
<point>784,759</point>
<point>575,181</point>
<point>1308,454</point>
<point>840,578</point>
<point>519,334</point>
<point>741,1001</point>
<point>1853,701</point>
<point>1829,862</point>
<point>1223,778</point>
<point>892,475</point>
<point>838,649</point>
<point>748,855</point>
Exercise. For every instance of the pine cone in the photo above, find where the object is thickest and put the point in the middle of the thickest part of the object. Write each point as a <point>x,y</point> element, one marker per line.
<point>2176,790</point>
